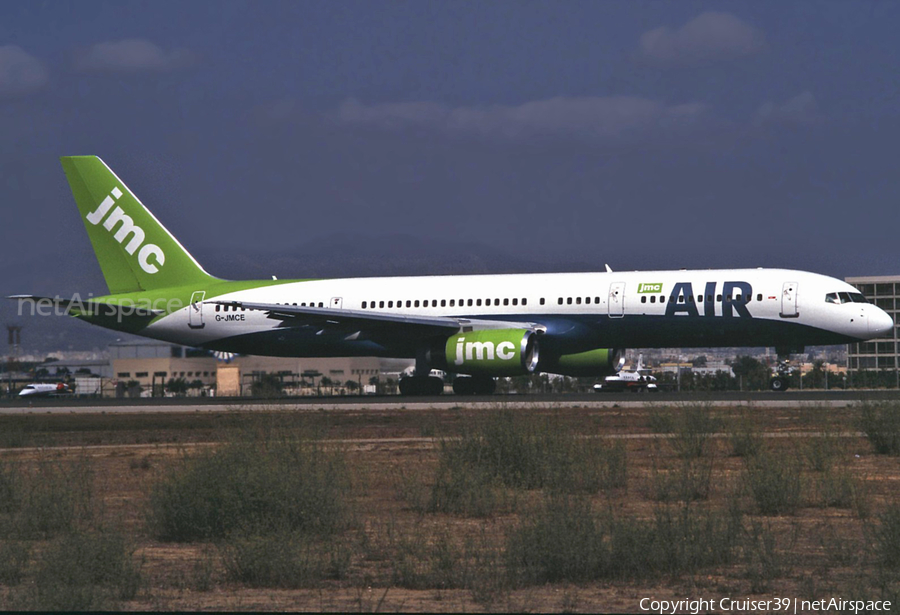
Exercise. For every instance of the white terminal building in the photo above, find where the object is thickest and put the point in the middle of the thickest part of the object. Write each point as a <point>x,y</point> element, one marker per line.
<point>880,354</point>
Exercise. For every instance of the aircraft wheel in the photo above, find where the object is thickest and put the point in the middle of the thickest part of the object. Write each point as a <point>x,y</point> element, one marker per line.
<point>434,385</point>
<point>778,384</point>
<point>408,387</point>
<point>484,385</point>
<point>464,385</point>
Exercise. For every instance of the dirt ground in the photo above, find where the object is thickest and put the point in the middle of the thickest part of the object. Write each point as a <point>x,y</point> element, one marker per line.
<point>819,552</point>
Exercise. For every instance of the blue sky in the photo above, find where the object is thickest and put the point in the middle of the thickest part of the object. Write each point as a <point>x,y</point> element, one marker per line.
<point>640,134</point>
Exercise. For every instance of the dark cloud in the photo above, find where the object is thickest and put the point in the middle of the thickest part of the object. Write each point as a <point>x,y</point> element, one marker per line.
<point>709,37</point>
<point>801,109</point>
<point>20,73</point>
<point>132,55</point>
<point>593,117</point>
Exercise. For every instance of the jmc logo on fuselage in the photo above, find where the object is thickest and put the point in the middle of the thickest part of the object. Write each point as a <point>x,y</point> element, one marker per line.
<point>649,288</point>
<point>128,228</point>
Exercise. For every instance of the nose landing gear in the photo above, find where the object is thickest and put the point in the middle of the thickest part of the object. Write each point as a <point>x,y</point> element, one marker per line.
<point>781,377</point>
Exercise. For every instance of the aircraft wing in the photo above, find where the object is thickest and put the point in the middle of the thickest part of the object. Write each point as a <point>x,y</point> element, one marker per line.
<point>372,322</point>
<point>86,306</point>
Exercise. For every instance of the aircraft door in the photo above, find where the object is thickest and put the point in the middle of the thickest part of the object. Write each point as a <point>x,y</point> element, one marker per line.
<point>196,310</point>
<point>616,303</point>
<point>336,303</point>
<point>789,300</point>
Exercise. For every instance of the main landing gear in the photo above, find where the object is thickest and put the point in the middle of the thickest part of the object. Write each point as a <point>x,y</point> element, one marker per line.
<point>418,385</point>
<point>781,378</point>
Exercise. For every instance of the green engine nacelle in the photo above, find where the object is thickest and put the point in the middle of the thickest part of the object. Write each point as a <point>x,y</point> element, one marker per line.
<point>493,352</point>
<point>597,362</point>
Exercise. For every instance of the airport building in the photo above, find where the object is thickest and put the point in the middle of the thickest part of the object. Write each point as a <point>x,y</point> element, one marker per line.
<point>144,367</point>
<point>881,354</point>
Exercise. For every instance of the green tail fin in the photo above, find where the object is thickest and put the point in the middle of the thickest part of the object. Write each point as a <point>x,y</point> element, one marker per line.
<point>135,251</point>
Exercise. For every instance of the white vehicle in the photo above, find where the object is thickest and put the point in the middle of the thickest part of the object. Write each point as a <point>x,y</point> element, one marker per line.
<point>628,380</point>
<point>477,326</point>
<point>44,390</point>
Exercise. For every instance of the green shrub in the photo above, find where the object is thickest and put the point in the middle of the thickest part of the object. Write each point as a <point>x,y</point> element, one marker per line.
<point>507,451</point>
<point>689,483</point>
<point>83,572</point>
<point>822,450</point>
<point>887,537</point>
<point>284,559</point>
<point>13,560</point>
<point>881,424</point>
<point>690,429</point>
<point>775,482</point>
<point>255,485</point>
<point>565,541</point>
<point>745,436</point>
<point>57,499</point>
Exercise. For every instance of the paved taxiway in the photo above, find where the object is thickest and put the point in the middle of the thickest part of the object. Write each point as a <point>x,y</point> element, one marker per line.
<point>828,399</point>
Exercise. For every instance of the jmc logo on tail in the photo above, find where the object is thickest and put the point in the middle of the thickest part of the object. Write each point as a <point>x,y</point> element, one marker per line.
<point>128,228</point>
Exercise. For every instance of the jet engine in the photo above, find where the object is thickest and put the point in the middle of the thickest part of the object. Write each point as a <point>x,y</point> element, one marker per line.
<point>491,352</point>
<point>597,362</point>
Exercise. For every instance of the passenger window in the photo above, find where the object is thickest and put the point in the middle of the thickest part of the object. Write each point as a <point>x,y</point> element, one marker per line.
<point>478,302</point>
<point>560,301</point>
<point>506,302</point>
<point>662,299</point>
<point>443,303</point>
<point>408,303</point>
<point>737,298</point>
<point>542,301</point>
<point>515,302</point>
<point>596,299</point>
<point>718,297</point>
<point>321,304</point>
<point>470,303</point>
<point>496,302</point>
<point>644,299</point>
<point>569,301</point>
<point>363,307</point>
<point>652,298</point>
<point>759,297</point>
<point>680,298</point>
<point>218,307</point>
<point>578,300</point>
<point>525,301</point>
<point>699,298</point>
<point>390,304</point>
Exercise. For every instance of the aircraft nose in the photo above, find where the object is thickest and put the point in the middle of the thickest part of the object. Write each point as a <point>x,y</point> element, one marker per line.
<point>880,323</point>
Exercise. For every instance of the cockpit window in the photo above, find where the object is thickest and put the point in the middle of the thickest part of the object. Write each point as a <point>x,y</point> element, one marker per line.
<point>845,298</point>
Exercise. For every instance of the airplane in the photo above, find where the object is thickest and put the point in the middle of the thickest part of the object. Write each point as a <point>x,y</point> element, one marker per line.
<point>44,390</point>
<point>627,380</point>
<point>479,327</point>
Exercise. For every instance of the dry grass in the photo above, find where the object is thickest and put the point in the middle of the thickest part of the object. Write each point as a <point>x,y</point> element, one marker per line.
<point>680,518</point>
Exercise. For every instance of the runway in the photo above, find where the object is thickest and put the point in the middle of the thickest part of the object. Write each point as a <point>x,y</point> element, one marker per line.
<point>765,399</point>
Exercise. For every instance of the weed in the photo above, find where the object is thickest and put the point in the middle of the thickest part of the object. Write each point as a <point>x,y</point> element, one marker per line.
<point>881,424</point>
<point>254,484</point>
<point>763,556</point>
<point>566,542</point>
<point>506,451</point>
<point>690,428</point>
<point>745,436</point>
<point>822,450</point>
<point>690,482</point>
<point>83,571</point>
<point>775,482</point>
<point>887,537</point>
<point>56,500</point>
<point>283,559</point>
<point>13,559</point>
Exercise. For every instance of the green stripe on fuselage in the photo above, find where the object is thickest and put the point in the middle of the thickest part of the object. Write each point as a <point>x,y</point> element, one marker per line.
<point>168,300</point>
